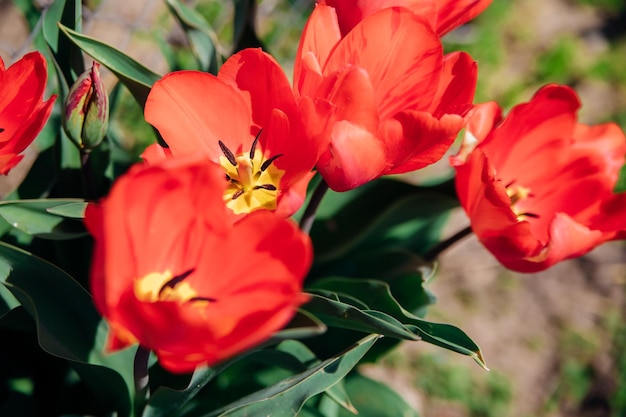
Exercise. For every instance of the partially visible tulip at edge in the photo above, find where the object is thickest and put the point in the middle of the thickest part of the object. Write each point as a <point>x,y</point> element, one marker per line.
<point>384,99</point>
<point>173,272</point>
<point>536,184</point>
<point>23,113</point>
<point>444,15</point>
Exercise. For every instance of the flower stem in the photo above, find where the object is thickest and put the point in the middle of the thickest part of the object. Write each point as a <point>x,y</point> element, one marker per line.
<point>85,168</point>
<point>309,213</point>
<point>440,247</point>
<point>141,378</point>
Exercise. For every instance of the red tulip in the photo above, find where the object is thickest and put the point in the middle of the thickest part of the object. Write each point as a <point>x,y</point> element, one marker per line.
<point>537,185</point>
<point>23,113</point>
<point>444,15</point>
<point>245,119</point>
<point>172,272</point>
<point>384,98</point>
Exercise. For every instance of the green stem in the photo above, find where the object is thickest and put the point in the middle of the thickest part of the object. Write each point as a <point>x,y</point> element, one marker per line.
<point>434,252</point>
<point>309,213</point>
<point>141,379</point>
<point>85,170</point>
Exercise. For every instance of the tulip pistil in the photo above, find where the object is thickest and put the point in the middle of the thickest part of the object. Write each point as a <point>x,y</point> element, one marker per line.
<point>253,179</point>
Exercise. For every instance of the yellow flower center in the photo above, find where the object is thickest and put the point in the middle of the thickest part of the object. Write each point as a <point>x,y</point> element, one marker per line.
<point>253,180</point>
<point>517,194</point>
<point>164,286</point>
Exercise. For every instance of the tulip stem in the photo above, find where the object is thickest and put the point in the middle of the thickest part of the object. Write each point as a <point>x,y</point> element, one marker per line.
<point>85,165</point>
<point>141,378</point>
<point>434,252</point>
<point>309,213</point>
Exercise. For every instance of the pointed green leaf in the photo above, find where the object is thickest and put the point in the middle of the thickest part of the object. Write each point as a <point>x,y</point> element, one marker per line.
<point>137,78</point>
<point>68,324</point>
<point>34,218</point>
<point>339,313</point>
<point>377,296</point>
<point>7,301</point>
<point>70,210</point>
<point>286,398</point>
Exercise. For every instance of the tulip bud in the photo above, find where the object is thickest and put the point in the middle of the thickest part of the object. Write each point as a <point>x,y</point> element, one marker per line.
<point>86,116</point>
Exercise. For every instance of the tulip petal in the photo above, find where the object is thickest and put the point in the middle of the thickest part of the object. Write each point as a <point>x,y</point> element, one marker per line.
<point>354,157</point>
<point>319,37</point>
<point>417,139</point>
<point>262,82</point>
<point>401,54</point>
<point>184,107</point>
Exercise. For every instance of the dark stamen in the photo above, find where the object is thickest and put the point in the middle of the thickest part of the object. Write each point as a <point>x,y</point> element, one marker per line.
<point>267,163</point>
<point>175,281</point>
<point>228,154</point>
<point>210,300</point>
<point>269,187</point>
<point>533,215</point>
<point>237,194</point>
<point>256,140</point>
<point>1,129</point>
<point>509,184</point>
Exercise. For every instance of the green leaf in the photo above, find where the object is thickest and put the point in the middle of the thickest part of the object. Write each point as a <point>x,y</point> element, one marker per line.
<point>68,58</point>
<point>303,324</point>
<point>168,402</point>
<point>201,36</point>
<point>70,210</point>
<point>286,398</point>
<point>68,324</point>
<point>137,78</point>
<point>7,301</point>
<point>333,310</point>
<point>35,218</point>
<point>374,399</point>
<point>378,298</point>
<point>382,214</point>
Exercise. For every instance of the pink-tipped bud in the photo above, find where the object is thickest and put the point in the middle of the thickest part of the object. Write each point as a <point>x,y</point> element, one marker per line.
<point>86,116</point>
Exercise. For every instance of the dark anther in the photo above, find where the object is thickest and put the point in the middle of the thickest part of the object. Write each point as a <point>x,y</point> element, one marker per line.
<point>532,215</point>
<point>1,129</point>
<point>267,163</point>
<point>210,300</point>
<point>175,281</point>
<point>269,187</point>
<point>509,184</point>
<point>228,154</point>
<point>256,140</point>
<point>237,194</point>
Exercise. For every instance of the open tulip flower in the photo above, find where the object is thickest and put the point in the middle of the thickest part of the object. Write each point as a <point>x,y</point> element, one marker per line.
<point>246,119</point>
<point>174,273</point>
<point>444,15</point>
<point>23,113</point>
<point>384,97</point>
<point>537,185</point>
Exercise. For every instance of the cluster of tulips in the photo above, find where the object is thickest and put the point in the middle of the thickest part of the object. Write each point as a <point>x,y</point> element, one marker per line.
<point>196,255</point>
